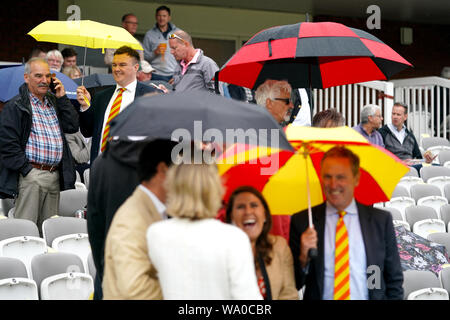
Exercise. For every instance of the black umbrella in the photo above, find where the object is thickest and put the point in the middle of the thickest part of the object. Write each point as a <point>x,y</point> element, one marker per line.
<point>199,116</point>
<point>97,80</point>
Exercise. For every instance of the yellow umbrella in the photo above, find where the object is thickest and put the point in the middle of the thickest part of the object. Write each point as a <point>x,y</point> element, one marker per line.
<point>84,33</point>
<point>286,185</point>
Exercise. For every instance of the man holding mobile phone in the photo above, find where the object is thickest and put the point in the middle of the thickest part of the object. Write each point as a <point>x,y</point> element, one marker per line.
<point>36,163</point>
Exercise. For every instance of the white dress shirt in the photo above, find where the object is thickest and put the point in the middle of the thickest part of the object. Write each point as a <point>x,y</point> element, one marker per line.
<point>127,99</point>
<point>400,135</point>
<point>158,204</point>
<point>357,253</point>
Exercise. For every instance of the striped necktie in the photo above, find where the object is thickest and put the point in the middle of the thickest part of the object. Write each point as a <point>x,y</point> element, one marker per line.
<point>115,109</point>
<point>342,261</point>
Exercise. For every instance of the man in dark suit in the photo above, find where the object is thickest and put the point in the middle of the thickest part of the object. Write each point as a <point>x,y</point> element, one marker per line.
<point>367,263</point>
<point>94,119</point>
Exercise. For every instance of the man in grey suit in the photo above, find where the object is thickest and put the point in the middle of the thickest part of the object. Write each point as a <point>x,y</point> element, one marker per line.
<point>372,264</point>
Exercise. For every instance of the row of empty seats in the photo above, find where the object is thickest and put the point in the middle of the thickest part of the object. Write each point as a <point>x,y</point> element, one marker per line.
<point>19,239</point>
<point>424,285</point>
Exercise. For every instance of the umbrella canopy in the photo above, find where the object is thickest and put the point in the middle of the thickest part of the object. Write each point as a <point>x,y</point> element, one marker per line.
<point>97,80</point>
<point>285,185</point>
<point>199,116</point>
<point>312,54</point>
<point>84,33</point>
<point>12,78</point>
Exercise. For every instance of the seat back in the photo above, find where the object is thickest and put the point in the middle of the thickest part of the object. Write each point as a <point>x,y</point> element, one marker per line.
<point>91,266</point>
<point>447,192</point>
<point>86,177</point>
<point>400,191</point>
<point>429,294</point>
<point>74,243</point>
<point>50,264</point>
<point>417,213</point>
<point>444,156</point>
<point>23,248</point>
<point>424,190</point>
<point>434,141</point>
<point>440,182</point>
<point>414,280</point>
<point>441,238</point>
<point>409,181</point>
<point>7,204</point>
<point>426,227</point>
<point>400,203</point>
<point>412,173</point>
<point>395,213</point>
<point>434,202</point>
<point>444,276</point>
<point>12,268</point>
<point>10,228</point>
<point>59,226</point>
<point>67,286</point>
<point>71,201</point>
<point>18,289</point>
<point>401,223</point>
<point>433,171</point>
<point>445,214</point>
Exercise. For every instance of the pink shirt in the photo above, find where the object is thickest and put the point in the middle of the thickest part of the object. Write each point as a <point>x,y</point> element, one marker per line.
<point>185,65</point>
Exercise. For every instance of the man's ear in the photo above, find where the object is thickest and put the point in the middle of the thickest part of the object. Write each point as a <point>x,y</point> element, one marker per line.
<point>162,168</point>
<point>269,104</point>
<point>26,77</point>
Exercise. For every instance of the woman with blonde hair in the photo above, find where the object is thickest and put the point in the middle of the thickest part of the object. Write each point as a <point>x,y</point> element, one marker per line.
<point>248,210</point>
<point>197,256</point>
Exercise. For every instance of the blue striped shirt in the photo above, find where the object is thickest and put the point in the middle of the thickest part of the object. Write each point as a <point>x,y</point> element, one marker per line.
<point>45,143</point>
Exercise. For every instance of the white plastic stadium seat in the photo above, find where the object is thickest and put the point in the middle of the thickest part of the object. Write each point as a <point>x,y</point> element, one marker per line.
<point>18,289</point>
<point>440,182</point>
<point>401,203</point>
<point>80,186</point>
<point>425,227</point>
<point>23,248</point>
<point>414,280</point>
<point>379,205</point>
<point>67,286</point>
<point>434,202</point>
<point>444,277</point>
<point>409,181</point>
<point>436,150</point>
<point>429,294</point>
<point>74,243</point>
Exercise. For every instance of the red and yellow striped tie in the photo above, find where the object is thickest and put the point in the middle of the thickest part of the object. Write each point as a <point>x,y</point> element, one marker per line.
<point>115,109</point>
<point>342,261</point>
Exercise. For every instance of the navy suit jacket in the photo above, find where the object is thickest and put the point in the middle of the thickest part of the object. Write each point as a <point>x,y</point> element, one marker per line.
<point>91,121</point>
<point>381,250</point>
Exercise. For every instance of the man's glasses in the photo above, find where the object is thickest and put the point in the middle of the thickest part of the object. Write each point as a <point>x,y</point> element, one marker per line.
<point>174,36</point>
<point>285,100</point>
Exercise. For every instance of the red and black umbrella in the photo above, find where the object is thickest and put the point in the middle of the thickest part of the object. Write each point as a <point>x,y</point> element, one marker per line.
<point>312,54</point>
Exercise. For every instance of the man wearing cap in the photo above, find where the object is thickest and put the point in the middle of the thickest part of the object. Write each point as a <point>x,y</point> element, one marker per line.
<point>145,73</point>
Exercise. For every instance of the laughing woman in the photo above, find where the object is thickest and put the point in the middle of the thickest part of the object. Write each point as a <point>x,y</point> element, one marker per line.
<point>248,210</point>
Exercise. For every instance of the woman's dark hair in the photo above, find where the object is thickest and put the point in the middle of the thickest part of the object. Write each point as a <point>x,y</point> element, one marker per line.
<point>263,245</point>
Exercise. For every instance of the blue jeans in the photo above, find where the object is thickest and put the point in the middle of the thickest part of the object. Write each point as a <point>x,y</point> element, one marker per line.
<point>160,77</point>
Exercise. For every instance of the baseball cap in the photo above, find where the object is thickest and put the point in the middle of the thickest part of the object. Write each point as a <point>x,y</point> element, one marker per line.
<point>146,67</point>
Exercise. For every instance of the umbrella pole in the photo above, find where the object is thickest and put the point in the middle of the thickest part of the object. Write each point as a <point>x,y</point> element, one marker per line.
<point>84,65</point>
<point>312,253</point>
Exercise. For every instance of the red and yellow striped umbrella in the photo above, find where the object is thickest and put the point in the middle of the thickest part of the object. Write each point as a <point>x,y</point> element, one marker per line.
<point>281,175</point>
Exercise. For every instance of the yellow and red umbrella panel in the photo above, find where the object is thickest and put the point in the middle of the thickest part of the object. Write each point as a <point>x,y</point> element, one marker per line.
<point>281,174</point>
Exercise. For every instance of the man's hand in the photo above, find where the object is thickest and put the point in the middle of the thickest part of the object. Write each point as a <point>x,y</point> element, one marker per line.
<point>83,97</point>
<point>429,157</point>
<point>308,240</point>
<point>59,88</point>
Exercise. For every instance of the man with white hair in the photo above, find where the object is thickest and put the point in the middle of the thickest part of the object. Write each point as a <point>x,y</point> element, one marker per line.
<point>371,121</point>
<point>55,60</point>
<point>275,95</point>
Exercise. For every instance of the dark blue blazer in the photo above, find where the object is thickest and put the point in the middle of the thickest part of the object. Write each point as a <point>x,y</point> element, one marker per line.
<point>379,241</point>
<point>91,121</point>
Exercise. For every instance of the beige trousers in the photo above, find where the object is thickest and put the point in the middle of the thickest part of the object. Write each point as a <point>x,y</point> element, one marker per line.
<point>38,196</point>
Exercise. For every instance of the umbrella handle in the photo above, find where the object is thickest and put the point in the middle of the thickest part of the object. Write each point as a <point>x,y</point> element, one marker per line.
<point>313,253</point>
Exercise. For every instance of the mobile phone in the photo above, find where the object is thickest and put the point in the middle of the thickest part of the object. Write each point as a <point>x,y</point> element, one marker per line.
<point>52,85</point>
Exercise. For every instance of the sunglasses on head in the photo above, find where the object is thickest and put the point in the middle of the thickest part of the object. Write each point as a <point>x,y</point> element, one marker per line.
<point>174,36</point>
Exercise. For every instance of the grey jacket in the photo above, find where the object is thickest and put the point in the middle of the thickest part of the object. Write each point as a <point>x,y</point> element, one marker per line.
<point>409,149</point>
<point>198,75</point>
<point>81,150</point>
<point>152,39</point>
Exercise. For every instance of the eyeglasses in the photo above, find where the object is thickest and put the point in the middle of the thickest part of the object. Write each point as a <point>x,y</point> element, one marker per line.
<point>174,36</point>
<point>285,100</point>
